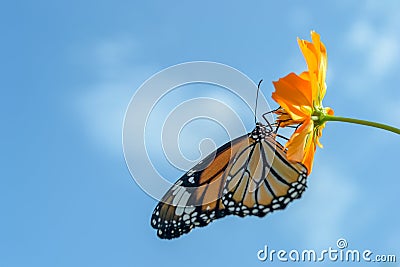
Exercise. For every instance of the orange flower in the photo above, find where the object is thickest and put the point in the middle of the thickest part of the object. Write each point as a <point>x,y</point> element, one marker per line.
<point>300,98</point>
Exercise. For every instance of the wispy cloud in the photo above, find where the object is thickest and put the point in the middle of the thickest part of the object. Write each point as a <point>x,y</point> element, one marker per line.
<point>101,103</point>
<point>375,37</point>
<point>101,108</point>
<point>380,47</point>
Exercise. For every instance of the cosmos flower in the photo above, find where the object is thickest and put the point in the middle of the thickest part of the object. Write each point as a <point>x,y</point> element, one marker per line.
<point>300,99</point>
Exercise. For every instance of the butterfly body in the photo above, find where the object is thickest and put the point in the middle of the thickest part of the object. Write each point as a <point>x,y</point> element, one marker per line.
<point>247,176</point>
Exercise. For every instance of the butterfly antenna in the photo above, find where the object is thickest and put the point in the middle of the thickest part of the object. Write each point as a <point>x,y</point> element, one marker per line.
<point>255,109</point>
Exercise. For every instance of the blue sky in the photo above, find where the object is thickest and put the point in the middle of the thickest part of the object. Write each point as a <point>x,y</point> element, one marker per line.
<point>69,69</point>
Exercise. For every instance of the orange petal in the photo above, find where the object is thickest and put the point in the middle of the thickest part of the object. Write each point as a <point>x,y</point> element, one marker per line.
<point>297,143</point>
<point>301,146</point>
<point>320,51</point>
<point>309,54</point>
<point>309,157</point>
<point>305,76</point>
<point>293,93</point>
<point>329,111</point>
<point>322,64</point>
<point>318,134</point>
<point>315,55</point>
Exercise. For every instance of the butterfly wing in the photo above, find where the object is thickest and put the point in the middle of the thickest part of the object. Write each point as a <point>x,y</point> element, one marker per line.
<point>195,199</point>
<point>248,176</point>
<point>265,182</point>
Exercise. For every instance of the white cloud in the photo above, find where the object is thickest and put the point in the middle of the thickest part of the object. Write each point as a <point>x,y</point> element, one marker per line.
<point>360,34</point>
<point>378,44</point>
<point>101,109</point>
<point>384,56</point>
<point>380,47</point>
<point>370,71</point>
<point>101,105</point>
<point>114,52</point>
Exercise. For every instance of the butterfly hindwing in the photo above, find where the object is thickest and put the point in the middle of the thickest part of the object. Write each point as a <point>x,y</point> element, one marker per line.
<point>267,182</point>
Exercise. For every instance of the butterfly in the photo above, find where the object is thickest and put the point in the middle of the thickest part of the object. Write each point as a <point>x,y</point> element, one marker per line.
<point>250,175</point>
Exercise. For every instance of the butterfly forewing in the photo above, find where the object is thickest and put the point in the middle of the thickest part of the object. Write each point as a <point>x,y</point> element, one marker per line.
<point>195,199</point>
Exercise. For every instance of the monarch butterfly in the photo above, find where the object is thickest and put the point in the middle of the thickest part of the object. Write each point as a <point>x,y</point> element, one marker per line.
<point>247,176</point>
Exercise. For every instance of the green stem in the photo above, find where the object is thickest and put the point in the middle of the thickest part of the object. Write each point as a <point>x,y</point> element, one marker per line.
<point>325,118</point>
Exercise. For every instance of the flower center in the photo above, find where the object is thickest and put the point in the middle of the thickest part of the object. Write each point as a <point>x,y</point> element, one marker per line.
<point>318,116</point>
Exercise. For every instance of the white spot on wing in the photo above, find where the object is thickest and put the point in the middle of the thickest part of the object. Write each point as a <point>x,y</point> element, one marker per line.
<point>178,195</point>
<point>184,199</point>
<point>189,209</point>
<point>179,211</point>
